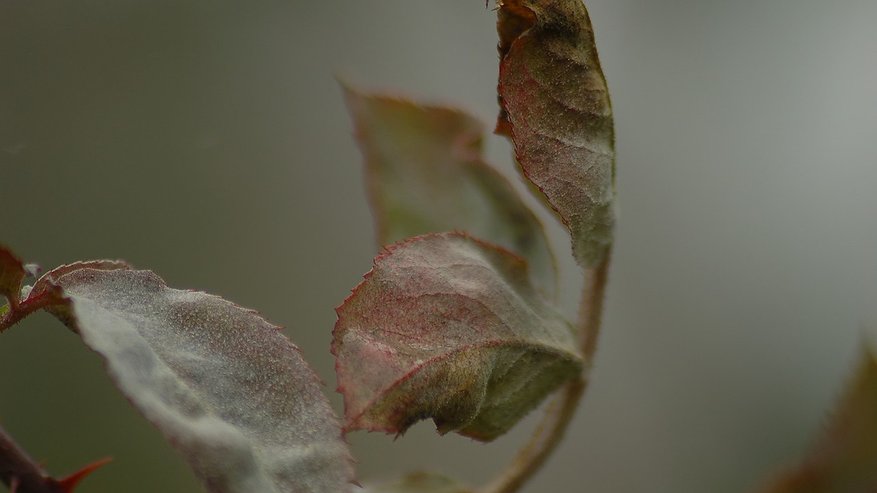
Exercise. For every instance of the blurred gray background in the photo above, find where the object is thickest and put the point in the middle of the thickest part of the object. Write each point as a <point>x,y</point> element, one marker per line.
<point>207,140</point>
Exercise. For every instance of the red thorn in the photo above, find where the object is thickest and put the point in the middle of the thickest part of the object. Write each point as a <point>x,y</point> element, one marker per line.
<point>13,484</point>
<point>70,482</point>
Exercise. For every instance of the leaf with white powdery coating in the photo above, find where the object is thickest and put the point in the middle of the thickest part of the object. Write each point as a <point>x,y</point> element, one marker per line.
<point>425,174</point>
<point>223,385</point>
<point>450,328</point>
<point>844,460</point>
<point>555,108</point>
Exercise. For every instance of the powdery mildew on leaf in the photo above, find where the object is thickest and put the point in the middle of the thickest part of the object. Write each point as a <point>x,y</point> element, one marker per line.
<point>449,328</point>
<point>426,174</point>
<point>555,108</point>
<point>844,460</point>
<point>223,385</point>
<point>48,287</point>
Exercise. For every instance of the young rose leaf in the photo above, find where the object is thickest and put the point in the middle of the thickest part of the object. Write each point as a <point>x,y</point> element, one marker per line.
<point>449,328</point>
<point>844,460</point>
<point>223,385</point>
<point>420,482</point>
<point>12,274</point>
<point>556,110</point>
<point>426,174</point>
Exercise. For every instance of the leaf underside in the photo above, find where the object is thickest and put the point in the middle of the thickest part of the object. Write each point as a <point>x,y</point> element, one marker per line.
<point>426,174</point>
<point>221,383</point>
<point>449,328</point>
<point>555,108</point>
<point>844,459</point>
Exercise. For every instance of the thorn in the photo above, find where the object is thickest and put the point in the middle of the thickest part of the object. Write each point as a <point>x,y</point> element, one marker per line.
<point>70,482</point>
<point>13,484</point>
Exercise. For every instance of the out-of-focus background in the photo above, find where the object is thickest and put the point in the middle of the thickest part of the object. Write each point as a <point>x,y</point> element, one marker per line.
<point>207,140</point>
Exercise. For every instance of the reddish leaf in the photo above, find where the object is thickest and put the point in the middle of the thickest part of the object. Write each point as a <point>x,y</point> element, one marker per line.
<point>844,460</point>
<point>426,175</point>
<point>556,110</point>
<point>222,384</point>
<point>448,327</point>
<point>12,274</point>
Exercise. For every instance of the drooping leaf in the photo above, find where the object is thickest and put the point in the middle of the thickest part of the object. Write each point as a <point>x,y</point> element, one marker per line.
<point>426,174</point>
<point>844,460</point>
<point>221,383</point>
<point>555,108</point>
<point>420,482</point>
<point>12,274</point>
<point>449,328</point>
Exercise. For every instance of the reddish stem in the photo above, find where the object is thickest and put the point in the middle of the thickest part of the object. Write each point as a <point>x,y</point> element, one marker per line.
<point>18,311</point>
<point>19,470</point>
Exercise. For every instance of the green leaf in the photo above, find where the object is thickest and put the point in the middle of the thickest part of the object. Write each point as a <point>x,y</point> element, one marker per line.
<point>844,460</point>
<point>555,108</point>
<point>12,274</point>
<point>426,174</point>
<point>222,384</point>
<point>448,327</point>
<point>419,483</point>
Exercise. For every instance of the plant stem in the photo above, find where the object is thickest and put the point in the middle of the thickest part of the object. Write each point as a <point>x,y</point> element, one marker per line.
<point>560,412</point>
<point>16,467</point>
<point>17,311</point>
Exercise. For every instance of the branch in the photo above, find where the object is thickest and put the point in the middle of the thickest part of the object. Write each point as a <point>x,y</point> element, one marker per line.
<point>19,469</point>
<point>18,311</point>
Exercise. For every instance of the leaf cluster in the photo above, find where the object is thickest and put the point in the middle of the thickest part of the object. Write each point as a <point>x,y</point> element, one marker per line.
<point>457,320</point>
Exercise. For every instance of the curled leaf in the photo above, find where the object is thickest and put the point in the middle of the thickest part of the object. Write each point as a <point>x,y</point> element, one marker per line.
<point>221,383</point>
<point>844,460</point>
<point>426,174</point>
<point>449,328</point>
<point>555,108</point>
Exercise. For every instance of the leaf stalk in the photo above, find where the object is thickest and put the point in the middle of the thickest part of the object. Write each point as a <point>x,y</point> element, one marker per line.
<point>18,311</point>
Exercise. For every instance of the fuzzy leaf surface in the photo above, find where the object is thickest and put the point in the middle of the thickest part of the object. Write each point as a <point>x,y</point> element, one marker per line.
<point>419,483</point>
<point>221,383</point>
<point>426,174</point>
<point>449,328</point>
<point>12,274</point>
<point>555,108</point>
<point>844,459</point>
